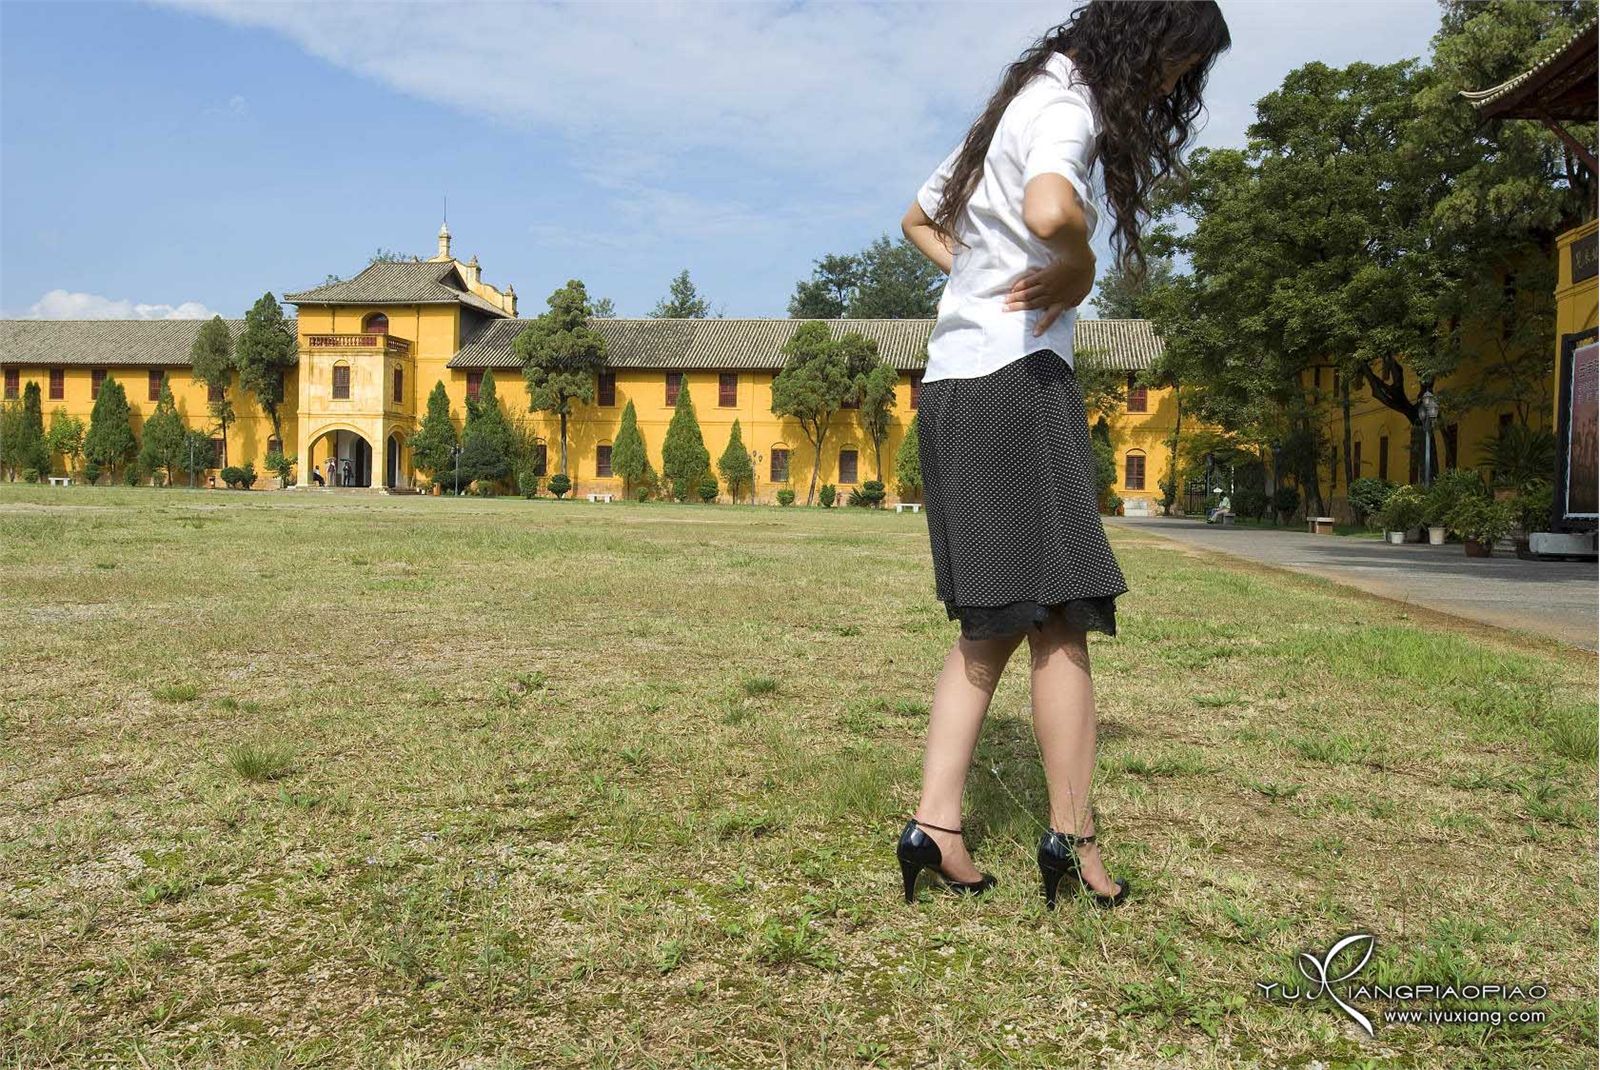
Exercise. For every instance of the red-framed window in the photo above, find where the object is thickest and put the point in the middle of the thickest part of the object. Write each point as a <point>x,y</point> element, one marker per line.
<point>602,461</point>
<point>541,458</point>
<point>727,389</point>
<point>1138,396</point>
<point>216,453</point>
<point>377,323</point>
<point>341,382</point>
<point>916,388</point>
<point>674,384</point>
<point>58,383</point>
<point>214,392</point>
<point>847,466</point>
<point>606,392</point>
<point>155,384</point>
<point>780,465</point>
<point>1383,456</point>
<point>1133,471</point>
<point>1355,459</point>
<point>474,384</point>
<point>399,385</point>
<point>97,379</point>
<point>13,383</point>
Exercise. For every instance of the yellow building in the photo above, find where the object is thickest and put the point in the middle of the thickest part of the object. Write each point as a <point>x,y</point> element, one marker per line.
<point>372,348</point>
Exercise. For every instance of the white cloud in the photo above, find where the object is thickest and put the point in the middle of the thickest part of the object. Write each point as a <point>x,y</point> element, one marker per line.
<point>65,305</point>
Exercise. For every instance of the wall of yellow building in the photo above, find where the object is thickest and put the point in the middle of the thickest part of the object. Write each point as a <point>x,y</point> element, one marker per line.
<point>1577,304</point>
<point>247,436</point>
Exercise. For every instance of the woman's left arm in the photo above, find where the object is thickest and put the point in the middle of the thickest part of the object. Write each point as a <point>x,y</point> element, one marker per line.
<point>929,239</point>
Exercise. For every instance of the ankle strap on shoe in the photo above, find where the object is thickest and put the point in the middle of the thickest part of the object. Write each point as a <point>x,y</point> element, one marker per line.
<point>1080,840</point>
<point>937,828</point>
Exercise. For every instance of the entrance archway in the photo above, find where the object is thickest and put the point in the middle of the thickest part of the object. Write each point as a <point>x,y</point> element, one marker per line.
<point>349,452</point>
<point>391,462</point>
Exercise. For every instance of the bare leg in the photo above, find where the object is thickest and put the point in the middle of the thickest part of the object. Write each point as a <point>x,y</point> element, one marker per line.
<point>960,701</point>
<point>1064,724</point>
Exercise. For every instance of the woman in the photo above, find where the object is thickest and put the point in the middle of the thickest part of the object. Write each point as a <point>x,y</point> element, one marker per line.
<point>1008,472</point>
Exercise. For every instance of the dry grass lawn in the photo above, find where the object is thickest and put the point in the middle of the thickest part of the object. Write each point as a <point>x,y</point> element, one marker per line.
<point>307,780</point>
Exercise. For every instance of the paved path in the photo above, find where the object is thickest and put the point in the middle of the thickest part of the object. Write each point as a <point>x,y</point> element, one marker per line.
<point>1552,598</point>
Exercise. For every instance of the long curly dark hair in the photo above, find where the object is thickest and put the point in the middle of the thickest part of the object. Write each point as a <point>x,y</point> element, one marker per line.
<point>1122,49</point>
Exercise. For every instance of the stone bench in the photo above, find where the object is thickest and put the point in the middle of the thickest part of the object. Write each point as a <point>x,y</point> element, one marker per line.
<point>1319,525</point>
<point>61,481</point>
<point>915,507</point>
<point>600,498</point>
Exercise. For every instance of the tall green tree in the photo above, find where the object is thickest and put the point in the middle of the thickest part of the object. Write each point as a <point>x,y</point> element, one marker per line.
<point>561,357</point>
<point>886,280</point>
<point>683,301</point>
<point>212,357</point>
<point>486,445</point>
<point>32,452</point>
<point>684,457</point>
<point>908,462</point>
<point>196,456</point>
<point>432,447</point>
<point>110,443</point>
<point>814,384</point>
<point>826,294</point>
<point>162,446</point>
<point>603,308</point>
<point>874,395</point>
<point>734,464</point>
<point>628,456</point>
<point>263,354</point>
<point>65,437</point>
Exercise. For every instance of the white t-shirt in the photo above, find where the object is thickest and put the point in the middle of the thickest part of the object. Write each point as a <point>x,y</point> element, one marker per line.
<point>1050,127</point>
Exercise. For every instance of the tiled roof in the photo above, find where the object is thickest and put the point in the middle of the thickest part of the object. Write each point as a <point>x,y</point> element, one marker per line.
<point>102,343</point>
<point>1126,345</point>
<point>1560,85</point>
<point>406,282</point>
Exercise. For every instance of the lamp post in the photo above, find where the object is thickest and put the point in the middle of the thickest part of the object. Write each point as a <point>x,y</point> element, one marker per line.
<point>191,464</point>
<point>455,451</point>
<point>1429,407</point>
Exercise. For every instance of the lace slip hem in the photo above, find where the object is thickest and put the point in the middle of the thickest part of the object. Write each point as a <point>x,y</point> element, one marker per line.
<point>991,622</point>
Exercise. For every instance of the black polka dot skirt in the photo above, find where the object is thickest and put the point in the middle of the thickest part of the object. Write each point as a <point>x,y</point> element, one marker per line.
<point>1009,493</point>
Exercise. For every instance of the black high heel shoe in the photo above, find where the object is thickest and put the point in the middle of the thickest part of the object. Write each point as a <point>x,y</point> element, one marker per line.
<point>1058,857</point>
<point>917,852</point>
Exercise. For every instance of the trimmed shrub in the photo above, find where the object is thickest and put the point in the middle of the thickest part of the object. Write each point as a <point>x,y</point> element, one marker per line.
<point>1286,500</point>
<point>240,477</point>
<point>1533,506</point>
<point>528,483</point>
<point>1449,488</point>
<point>786,496</point>
<point>560,484</point>
<point>30,475</point>
<point>1367,496</point>
<point>868,495</point>
<point>1403,511</point>
<point>827,495</point>
<point>708,487</point>
<point>91,473</point>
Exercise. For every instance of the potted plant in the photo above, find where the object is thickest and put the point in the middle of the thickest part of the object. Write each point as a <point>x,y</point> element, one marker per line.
<point>1481,523</point>
<point>1533,508</point>
<point>1401,515</point>
<point>1449,487</point>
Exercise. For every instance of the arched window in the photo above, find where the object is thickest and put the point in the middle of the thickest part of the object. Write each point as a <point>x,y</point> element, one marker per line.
<point>341,381</point>
<point>602,460</point>
<point>780,464</point>
<point>1133,470</point>
<point>377,323</point>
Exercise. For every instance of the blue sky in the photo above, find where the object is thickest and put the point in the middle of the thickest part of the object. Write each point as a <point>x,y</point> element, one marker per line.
<point>182,158</point>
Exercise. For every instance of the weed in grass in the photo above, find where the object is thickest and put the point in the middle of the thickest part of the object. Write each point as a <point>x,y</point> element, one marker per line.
<point>798,942</point>
<point>756,686</point>
<point>176,693</point>
<point>261,760</point>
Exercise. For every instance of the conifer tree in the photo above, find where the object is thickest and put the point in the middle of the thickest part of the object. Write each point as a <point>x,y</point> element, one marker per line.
<point>110,443</point>
<point>31,451</point>
<point>908,462</point>
<point>431,446</point>
<point>683,301</point>
<point>212,357</point>
<point>65,437</point>
<point>737,471</point>
<point>486,438</point>
<point>629,458</point>
<point>561,357</point>
<point>163,444</point>
<point>264,353</point>
<point>684,457</point>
